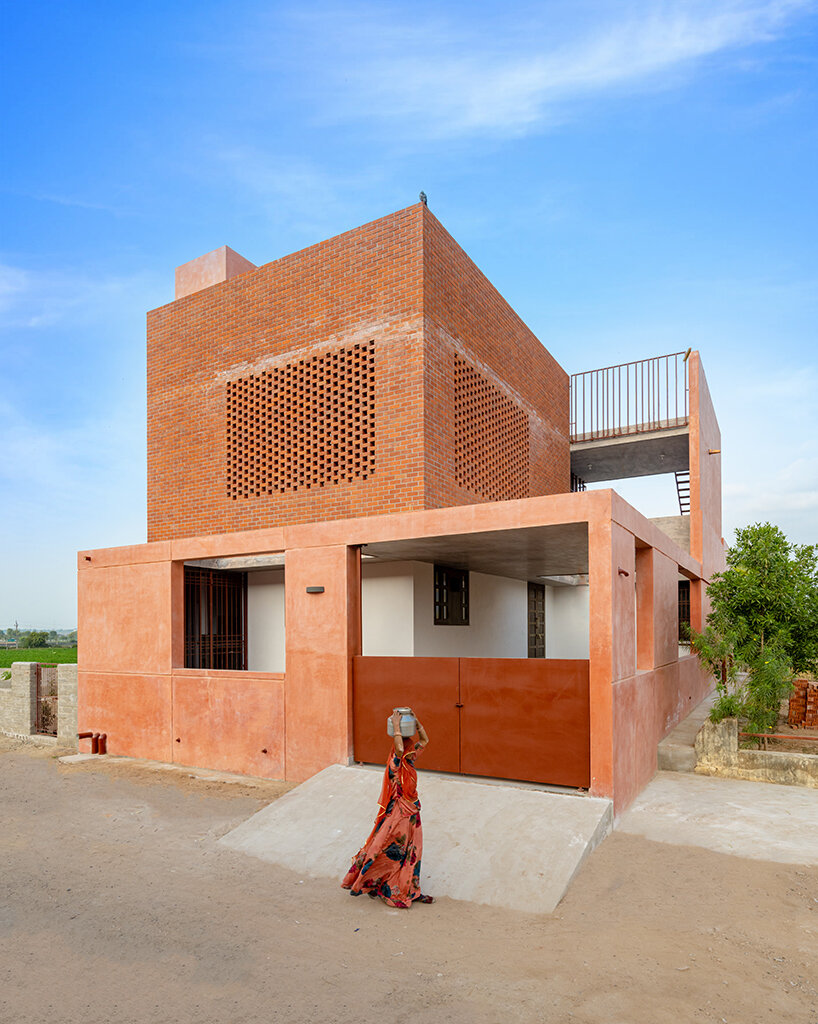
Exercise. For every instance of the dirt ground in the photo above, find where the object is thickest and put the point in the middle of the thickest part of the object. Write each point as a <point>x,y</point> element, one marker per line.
<point>119,906</point>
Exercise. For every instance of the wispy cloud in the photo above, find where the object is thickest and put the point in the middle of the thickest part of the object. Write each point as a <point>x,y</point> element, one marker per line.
<point>518,74</point>
<point>770,426</point>
<point>47,298</point>
<point>295,193</point>
<point>77,485</point>
<point>73,428</point>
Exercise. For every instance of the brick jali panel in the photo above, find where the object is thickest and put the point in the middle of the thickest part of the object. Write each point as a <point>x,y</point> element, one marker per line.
<point>306,424</point>
<point>490,438</point>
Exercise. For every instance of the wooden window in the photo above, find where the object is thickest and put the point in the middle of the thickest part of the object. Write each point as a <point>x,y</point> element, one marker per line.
<point>536,620</point>
<point>451,596</point>
<point>215,618</point>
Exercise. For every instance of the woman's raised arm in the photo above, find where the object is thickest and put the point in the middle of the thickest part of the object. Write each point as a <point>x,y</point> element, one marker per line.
<point>398,739</point>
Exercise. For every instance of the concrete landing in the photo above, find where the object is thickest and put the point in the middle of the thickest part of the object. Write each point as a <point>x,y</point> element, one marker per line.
<point>758,820</point>
<point>677,751</point>
<point>494,844</point>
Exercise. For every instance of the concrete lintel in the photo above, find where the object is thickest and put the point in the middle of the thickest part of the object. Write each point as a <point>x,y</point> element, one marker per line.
<point>243,562</point>
<point>575,580</point>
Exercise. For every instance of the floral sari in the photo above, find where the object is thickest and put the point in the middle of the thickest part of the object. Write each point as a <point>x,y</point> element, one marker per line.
<point>388,864</point>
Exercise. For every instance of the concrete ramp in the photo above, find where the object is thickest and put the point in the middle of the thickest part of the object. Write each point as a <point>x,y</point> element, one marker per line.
<point>498,844</point>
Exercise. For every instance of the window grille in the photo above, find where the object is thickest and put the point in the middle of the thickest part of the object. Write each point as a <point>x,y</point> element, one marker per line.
<point>684,610</point>
<point>215,618</point>
<point>536,620</point>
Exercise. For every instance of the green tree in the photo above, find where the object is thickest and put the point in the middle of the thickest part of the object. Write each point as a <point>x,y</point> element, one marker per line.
<point>763,626</point>
<point>36,638</point>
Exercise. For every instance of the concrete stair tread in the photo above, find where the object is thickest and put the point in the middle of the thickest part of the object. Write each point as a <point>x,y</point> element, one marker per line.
<point>677,751</point>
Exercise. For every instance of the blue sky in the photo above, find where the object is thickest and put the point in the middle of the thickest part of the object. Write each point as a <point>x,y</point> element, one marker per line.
<point>635,177</point>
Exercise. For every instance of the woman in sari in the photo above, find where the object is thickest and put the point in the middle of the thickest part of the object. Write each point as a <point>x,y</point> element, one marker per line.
<point>388,864</point>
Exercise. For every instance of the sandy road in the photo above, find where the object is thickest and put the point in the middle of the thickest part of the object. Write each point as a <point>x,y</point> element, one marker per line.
<point>117,905</point>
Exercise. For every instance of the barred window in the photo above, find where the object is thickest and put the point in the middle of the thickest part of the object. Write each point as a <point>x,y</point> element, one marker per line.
<point>215,618</point>
<point>684,610</point>
<point>536,620</point>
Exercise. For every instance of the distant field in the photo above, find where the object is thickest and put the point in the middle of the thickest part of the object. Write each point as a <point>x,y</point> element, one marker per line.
<point>62,655</point>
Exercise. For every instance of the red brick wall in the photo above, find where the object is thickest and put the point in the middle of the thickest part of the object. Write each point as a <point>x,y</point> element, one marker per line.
<point>360,286</point>
<point>467,316</point>
<point>404,285</point>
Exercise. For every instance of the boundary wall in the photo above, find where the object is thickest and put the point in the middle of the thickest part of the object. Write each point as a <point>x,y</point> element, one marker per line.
<point>18,701</point>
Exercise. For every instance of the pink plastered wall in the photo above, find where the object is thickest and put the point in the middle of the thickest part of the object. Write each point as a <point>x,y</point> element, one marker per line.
<point>133,685</point>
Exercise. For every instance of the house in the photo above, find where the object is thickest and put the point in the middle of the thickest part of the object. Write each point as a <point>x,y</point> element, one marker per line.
<point>365,488</point>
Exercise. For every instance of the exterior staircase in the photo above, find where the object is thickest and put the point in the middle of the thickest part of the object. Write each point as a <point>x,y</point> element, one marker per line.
<point>683,491</point>
<point>677,751</point>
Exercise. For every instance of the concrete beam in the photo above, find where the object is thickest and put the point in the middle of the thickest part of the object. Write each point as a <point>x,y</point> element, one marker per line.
<point>619,458</point>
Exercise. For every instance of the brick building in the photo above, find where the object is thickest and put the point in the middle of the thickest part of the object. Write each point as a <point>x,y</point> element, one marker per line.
<point>363,475</point>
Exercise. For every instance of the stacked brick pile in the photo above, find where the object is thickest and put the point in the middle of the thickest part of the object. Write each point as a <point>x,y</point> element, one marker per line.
<point>804,705</point>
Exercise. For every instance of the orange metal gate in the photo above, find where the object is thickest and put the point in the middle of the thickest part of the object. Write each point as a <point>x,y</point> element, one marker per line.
<point>509,718</point>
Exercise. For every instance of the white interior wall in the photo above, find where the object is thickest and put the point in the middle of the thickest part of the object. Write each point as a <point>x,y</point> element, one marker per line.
<point>265,621</point>
<point>397,604</point>
<point>387,609</point>
<point>567,622</point>
<point>498,611</point>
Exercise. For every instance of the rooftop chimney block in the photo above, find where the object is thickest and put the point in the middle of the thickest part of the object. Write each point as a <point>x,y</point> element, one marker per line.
<point>212,268</point>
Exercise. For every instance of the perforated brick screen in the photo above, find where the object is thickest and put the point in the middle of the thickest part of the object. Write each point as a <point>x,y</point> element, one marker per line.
<point>491,437</point>
<point>306,424</point>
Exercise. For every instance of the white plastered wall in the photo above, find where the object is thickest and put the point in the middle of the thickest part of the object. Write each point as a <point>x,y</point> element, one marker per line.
<point>567,621</point>
<point>498,610</point>
<point>387,609</point>
<point>265,621</point>
<point>397,604</point>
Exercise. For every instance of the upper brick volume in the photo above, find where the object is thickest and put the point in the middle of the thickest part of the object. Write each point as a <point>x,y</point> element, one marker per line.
<point>378,371</point>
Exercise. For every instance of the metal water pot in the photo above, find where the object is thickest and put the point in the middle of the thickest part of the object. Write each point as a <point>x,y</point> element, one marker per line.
<point>407,723</point>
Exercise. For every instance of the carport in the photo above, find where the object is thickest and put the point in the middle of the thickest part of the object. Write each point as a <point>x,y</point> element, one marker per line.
<point>524,718</point>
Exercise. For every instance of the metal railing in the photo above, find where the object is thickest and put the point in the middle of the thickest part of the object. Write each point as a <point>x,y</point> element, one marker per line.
<point>631,398</point>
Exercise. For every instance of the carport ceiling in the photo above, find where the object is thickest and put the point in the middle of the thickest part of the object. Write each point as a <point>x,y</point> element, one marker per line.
<point>523,554</point>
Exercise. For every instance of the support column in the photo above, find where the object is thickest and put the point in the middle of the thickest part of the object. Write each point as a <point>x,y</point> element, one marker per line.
<point>601,651</point>
<point>322,602</point>
<point>645,640</point>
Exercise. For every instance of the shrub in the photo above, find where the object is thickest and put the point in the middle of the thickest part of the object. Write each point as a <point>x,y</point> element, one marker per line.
<point>763,624</point>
